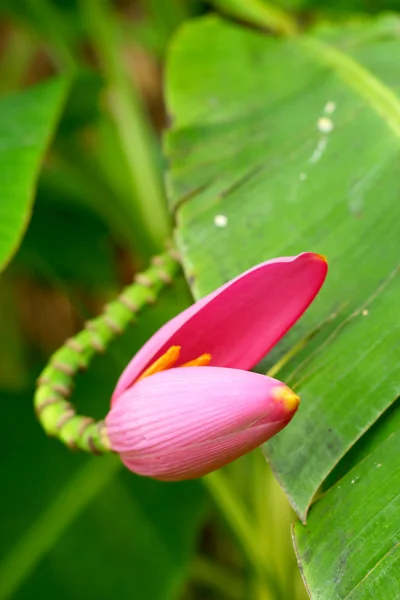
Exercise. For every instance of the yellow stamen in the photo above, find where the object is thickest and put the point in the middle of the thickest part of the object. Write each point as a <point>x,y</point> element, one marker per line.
<point>289,399</point>
<point>200,361</point>
<point>166,361</point>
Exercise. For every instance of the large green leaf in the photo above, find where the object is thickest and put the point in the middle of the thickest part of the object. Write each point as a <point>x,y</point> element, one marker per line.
<point>359,556</point>
<point>281,146</point>
<point>27,120</point>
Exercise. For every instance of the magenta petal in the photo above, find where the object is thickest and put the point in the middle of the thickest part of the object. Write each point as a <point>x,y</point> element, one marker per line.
<point>182,423</point>
<point>239,322</point>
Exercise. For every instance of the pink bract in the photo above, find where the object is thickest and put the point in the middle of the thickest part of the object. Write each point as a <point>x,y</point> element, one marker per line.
<point>183,423</point>
<point>239,322</point>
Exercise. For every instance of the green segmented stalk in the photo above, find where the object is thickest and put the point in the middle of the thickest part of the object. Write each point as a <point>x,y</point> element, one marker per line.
<point>54,386</point>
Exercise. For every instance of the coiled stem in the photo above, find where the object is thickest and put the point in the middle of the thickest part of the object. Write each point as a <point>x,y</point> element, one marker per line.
<point>56,414</point>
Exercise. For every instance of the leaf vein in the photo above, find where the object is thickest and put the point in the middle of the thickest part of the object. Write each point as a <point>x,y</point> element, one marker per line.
<point>380,97</point>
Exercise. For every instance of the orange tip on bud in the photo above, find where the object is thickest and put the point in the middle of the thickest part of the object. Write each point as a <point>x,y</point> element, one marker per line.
<point>287,397</point>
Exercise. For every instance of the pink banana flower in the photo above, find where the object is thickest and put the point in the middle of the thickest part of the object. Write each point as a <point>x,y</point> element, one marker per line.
<point>187,404</point>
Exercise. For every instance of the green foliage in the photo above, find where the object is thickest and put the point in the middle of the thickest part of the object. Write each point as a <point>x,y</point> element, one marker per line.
<point>295,143</point>
<point>284,128</point>
<point>83,513</point>
<point>76,527</point>
<point>363,504</point>
<point>27,120</point>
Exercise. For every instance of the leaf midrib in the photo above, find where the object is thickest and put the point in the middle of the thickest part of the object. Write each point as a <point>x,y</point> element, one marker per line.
<point>378,96</point>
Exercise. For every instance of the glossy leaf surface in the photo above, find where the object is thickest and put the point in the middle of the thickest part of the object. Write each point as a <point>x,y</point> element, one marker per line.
<point>281,146</point>
<point>27,121</point>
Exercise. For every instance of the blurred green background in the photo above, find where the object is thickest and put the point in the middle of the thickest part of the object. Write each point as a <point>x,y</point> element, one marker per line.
<point>75,527</point>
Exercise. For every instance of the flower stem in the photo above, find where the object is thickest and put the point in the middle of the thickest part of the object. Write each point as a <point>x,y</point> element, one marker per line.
<point>55,412</point>
<point>134,132</point>
<point>243,530</point>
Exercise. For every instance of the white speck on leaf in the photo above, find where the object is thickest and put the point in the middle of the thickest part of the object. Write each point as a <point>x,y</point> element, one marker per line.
<point>303,176</point>
<point>365,312</point>
<point>378,465</point>
<point>329,107</point>
<point>325,125</point>
<point>220,220</point>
